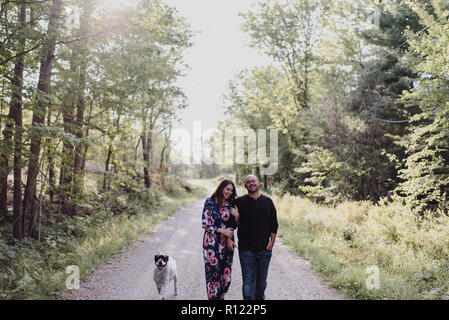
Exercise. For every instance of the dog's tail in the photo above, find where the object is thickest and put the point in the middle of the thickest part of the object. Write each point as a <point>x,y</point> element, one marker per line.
<point>158,251</point>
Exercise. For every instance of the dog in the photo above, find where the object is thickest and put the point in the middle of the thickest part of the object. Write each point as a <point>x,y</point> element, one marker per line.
<point>164,272</point>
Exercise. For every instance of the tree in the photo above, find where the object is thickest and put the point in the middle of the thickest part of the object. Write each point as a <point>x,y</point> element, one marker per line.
<point>85,82</point>
<point>425,175</point>
<point>261,99</point>
<point>14,128</point>
<point>288,32</point>
<point>43,88</point>
<point>85,21</point>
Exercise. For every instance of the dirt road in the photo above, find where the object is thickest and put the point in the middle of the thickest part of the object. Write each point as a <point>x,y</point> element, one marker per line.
<point>130,275</point>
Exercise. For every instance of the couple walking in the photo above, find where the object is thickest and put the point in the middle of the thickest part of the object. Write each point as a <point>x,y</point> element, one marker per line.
<point>254,217</point>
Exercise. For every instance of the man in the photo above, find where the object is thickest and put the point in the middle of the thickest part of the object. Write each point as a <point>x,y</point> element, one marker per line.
<point>257,230</point>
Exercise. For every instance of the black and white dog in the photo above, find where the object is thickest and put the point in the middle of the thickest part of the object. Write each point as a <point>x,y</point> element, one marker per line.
<point>164,272</point>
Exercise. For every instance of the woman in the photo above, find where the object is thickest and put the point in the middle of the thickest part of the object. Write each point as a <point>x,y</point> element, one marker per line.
<point>218,260</point>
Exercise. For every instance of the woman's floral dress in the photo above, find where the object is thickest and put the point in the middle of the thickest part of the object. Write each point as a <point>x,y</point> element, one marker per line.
<point>217,260</point>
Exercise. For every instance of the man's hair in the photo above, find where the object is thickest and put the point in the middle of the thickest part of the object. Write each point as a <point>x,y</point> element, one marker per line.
<point>251,175</point>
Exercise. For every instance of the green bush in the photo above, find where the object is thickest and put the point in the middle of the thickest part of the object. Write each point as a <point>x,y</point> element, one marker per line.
<point>410,250</point>
<point>35,268</point>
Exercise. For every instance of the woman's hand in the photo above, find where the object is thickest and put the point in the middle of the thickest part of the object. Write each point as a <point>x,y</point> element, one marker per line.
<point>228,232</point>
<point>230,245</point>
<point>235,213</point>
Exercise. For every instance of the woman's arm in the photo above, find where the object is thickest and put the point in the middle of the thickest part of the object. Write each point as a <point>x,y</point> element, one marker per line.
<point>235,213</point>
<point>206,218</point>
<point>208,224</point>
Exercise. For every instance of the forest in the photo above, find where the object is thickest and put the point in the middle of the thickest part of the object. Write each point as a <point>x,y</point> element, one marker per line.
<point>84,89</point>
<point>87,102</point>
<point>358,91</point>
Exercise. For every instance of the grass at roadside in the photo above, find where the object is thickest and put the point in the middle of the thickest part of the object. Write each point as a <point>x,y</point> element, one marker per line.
<point>33,269</point>
<point>345,243</point>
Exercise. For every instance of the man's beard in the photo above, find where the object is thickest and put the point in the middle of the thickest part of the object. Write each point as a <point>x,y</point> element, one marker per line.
<point>255,190</point>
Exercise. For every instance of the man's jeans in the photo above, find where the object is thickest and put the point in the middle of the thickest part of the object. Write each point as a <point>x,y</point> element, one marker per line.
<point>254,273</point>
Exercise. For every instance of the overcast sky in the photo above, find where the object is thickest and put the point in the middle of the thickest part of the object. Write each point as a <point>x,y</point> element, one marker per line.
<point>220,51</point>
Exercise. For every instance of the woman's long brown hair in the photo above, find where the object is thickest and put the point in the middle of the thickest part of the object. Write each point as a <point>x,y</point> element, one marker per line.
<point>218,194</point>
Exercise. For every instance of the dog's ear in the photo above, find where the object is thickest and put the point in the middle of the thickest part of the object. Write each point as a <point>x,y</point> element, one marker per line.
<point>166,258</point>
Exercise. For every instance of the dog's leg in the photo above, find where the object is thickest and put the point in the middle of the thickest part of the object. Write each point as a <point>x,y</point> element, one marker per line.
<point>175,281</point>
<point>162,293</point>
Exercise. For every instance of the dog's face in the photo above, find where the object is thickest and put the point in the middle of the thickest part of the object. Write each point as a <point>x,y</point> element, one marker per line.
<point>160,261</point>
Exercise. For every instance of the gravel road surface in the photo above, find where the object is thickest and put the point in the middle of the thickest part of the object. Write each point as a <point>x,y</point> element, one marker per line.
<point>130,275</point>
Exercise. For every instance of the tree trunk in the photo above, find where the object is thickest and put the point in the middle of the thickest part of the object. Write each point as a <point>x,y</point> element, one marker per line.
<point>161,163</point>
<point>15,114</point>
<point>135,154</point>
<point>84,53</point>
<point>17,225</point>
<point>5,152</point>
<point>83,163</point>
<point>149,156</point>
<point>51,164</point>
<point>162,169</point>
<point>43,88</point>
<point>108,159</point>
<point>146,157</point>
<point>66,172</point>
<point>146,160</point>
<point>14,110</point>
<point>106,179</point>
<point>78,160</point>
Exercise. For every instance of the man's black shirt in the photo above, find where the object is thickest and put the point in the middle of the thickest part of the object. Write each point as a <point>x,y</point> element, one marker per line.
<point>258,218</point>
